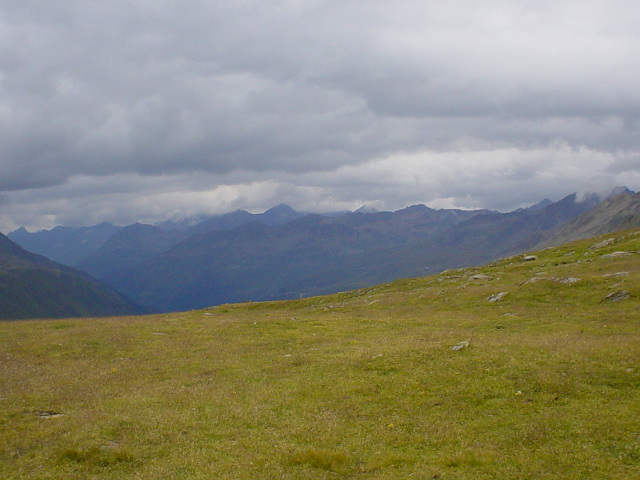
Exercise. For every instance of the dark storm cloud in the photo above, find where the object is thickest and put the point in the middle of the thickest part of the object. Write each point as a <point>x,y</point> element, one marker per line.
<point>246,92</point>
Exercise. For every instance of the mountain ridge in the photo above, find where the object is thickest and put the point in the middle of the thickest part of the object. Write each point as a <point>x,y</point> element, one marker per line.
<point>65,245</point>
<point>619,212</point>
<point>282,253</point>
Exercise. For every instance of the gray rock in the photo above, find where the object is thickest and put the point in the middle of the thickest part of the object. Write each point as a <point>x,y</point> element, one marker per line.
<point>460,345</point>
<point>534,280</point>
<point>529,258</point>
<point>616,275</point>
<point>569,280</point>
<point>617,296</point>
<point>602,244</point>
<point>617,254</point>
<point>481,276</point>
<point>497,297</point>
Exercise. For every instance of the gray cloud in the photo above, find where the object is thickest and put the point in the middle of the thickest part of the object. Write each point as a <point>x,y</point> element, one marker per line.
<point>625,165</point>
<point>311,97</point>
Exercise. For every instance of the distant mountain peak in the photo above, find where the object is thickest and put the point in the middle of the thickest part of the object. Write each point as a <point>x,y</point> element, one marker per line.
<point>420,207</point>
<point>281,213</point>
<point>281,207</point>
<point>365,209</point>
<point>620,190</point>
<point>600,194</point>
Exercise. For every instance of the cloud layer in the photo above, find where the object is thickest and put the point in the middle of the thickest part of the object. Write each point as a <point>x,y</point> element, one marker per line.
<point>127,110</point>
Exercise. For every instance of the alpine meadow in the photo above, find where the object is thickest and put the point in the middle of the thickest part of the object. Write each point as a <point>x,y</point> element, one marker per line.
<point>525,368</point>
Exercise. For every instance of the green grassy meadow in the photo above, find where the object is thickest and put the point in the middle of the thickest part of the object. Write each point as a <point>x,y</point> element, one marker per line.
<point>361,385</point>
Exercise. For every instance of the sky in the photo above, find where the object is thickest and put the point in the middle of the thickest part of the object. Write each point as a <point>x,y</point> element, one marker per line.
<point>147,110</point>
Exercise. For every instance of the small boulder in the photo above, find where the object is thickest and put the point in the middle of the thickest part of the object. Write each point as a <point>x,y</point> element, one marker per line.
<point>534,280</point>
<point>529,258</point>
<point>569,280</point>
<point>460,345</point>
<point>616,275</point>
<point>481,276</point>
<point>616,254</point>
<point>602,244</point>
<point>497,297</point>
<point>617,296</point>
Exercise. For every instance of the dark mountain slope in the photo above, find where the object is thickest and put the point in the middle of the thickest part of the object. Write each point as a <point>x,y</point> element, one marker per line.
<point>32,286</point>
<point>129,246</point>
<point>620,212</point>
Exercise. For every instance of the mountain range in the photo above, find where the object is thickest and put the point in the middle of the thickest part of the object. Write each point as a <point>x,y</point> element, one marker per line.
<point>266,262</point>
<point>66,245</point>
<point>283,254</point>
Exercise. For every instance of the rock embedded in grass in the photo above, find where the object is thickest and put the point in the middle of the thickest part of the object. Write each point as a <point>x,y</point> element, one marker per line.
<point>617,296</point>
<point>481,276</point>
<point>569,280</point>
<point>497,297</point>
<point>617,254</point>
<point>460,345</point>
<point>48,414</point>
<point>616,275</point>
<point>602,244</point>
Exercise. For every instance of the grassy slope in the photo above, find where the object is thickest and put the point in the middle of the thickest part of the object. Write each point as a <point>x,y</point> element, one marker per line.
<point>362,384</point>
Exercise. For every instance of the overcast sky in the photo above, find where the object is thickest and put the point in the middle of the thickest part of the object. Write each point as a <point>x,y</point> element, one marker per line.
<point>143,110</point>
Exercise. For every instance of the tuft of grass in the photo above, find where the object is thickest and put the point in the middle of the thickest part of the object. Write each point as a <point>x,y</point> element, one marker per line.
<point>322,459</point>
<point>104,456</point>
